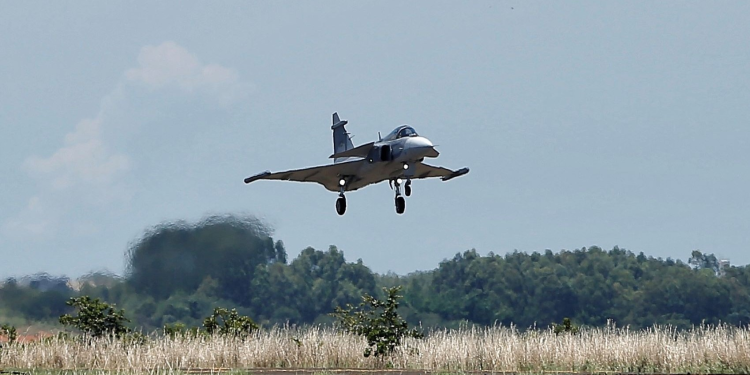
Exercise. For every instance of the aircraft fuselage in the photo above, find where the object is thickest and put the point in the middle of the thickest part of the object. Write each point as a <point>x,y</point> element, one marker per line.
<point>390,160</point>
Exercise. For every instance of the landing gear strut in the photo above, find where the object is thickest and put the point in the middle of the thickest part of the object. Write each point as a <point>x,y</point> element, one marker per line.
<point>408,173</point>
<point>400,201</point>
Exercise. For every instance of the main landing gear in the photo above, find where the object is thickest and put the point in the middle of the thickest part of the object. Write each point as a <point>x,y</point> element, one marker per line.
<point>395,184</point>
<point>400,201</point>
<point>400,205</point>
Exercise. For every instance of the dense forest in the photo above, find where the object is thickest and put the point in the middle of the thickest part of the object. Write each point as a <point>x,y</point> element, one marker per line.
<point>180,272</point>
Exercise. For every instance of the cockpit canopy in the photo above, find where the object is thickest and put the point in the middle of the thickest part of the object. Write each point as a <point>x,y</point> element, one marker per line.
<point>401,132</point>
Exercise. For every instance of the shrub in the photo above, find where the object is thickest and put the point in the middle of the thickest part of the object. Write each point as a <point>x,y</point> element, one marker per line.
<point>10,332</point>
<point>180,330</point>
<point>378,321</point>
<point>95,318</point>
<point>174,330</point>
<point>567,326</point>
<point>229,323</point>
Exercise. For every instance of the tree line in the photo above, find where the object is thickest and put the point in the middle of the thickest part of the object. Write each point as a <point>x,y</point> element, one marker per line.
<point>178,273</point>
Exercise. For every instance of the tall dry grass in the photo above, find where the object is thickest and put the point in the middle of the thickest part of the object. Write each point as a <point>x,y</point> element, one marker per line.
<point>664,350</point>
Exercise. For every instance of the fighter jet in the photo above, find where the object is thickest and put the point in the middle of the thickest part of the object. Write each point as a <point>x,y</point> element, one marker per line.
<point>397,158</point>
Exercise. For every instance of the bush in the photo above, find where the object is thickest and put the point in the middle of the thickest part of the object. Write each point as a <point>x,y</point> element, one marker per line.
<point>10,332</point>
<point>174,330</point>
<point>180,330</point>
<point>378,321</point>
<point>567,326</point>
<point>96,318</point>
<point>229,323</point>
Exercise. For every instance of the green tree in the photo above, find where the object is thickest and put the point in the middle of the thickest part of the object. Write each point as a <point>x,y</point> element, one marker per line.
<point>229,323</point>
<point>378,321</point>
<point>704,261</point>
<point>178,257</point>
<point>95,318</point>
<point>326,280</point>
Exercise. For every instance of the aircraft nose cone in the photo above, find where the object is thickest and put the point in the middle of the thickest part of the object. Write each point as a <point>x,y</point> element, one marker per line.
<point>419,142</point>
<point>422,146</point>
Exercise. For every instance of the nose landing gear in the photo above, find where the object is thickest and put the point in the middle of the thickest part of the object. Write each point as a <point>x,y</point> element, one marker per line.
<point>341,205</point>
<point>341,201</point>
<point>407,188</point>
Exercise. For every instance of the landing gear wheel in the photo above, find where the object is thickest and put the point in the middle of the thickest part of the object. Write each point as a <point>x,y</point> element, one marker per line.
<point>407,189</point>
<point>341,205</point>
<point>400,205</point>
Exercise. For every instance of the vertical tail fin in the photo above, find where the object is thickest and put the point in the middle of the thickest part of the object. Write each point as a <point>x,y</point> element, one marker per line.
<point>341,139</point>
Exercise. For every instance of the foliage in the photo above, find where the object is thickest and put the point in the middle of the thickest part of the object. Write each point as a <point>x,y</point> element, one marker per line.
<point>233,260</point>
<point>95,318</point>
<point>378,321</point>
<point>229,323</point>
<point>567,326</point>
<point>9,332</point>
<point>37,298</point>
<point>180,330</point>
<point>702,261</point>
<point>180,272</point>
<point>132,338</point>
<point>591,286</point>
<point>174,330</point>
<point>178,257</point>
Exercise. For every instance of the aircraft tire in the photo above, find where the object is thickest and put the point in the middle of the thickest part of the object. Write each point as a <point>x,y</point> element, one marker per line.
<point>407,189</point>
<point>341,205</point>
<point>400,205</point>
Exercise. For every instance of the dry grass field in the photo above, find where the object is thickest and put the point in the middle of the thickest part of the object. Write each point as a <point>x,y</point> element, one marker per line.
<point>719,349</point>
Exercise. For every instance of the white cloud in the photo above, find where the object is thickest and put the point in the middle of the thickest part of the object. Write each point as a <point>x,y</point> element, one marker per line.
<point>31,221</point>
<point>84,159</point>
<point>83,172</point>
<point>86,172</point>
<point>169,65</point>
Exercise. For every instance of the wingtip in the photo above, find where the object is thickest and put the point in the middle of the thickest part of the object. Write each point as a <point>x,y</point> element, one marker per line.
<point>257,177</point>
<point>457,173</point>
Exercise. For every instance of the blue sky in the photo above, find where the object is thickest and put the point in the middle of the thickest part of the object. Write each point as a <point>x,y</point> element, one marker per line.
<point>583,123</point>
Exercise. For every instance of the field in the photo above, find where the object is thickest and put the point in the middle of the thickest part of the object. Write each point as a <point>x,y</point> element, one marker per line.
<point>719,349</point>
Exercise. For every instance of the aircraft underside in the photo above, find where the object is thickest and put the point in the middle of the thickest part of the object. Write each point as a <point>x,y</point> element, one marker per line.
<point>398,175</point>
<point>394,173</point>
